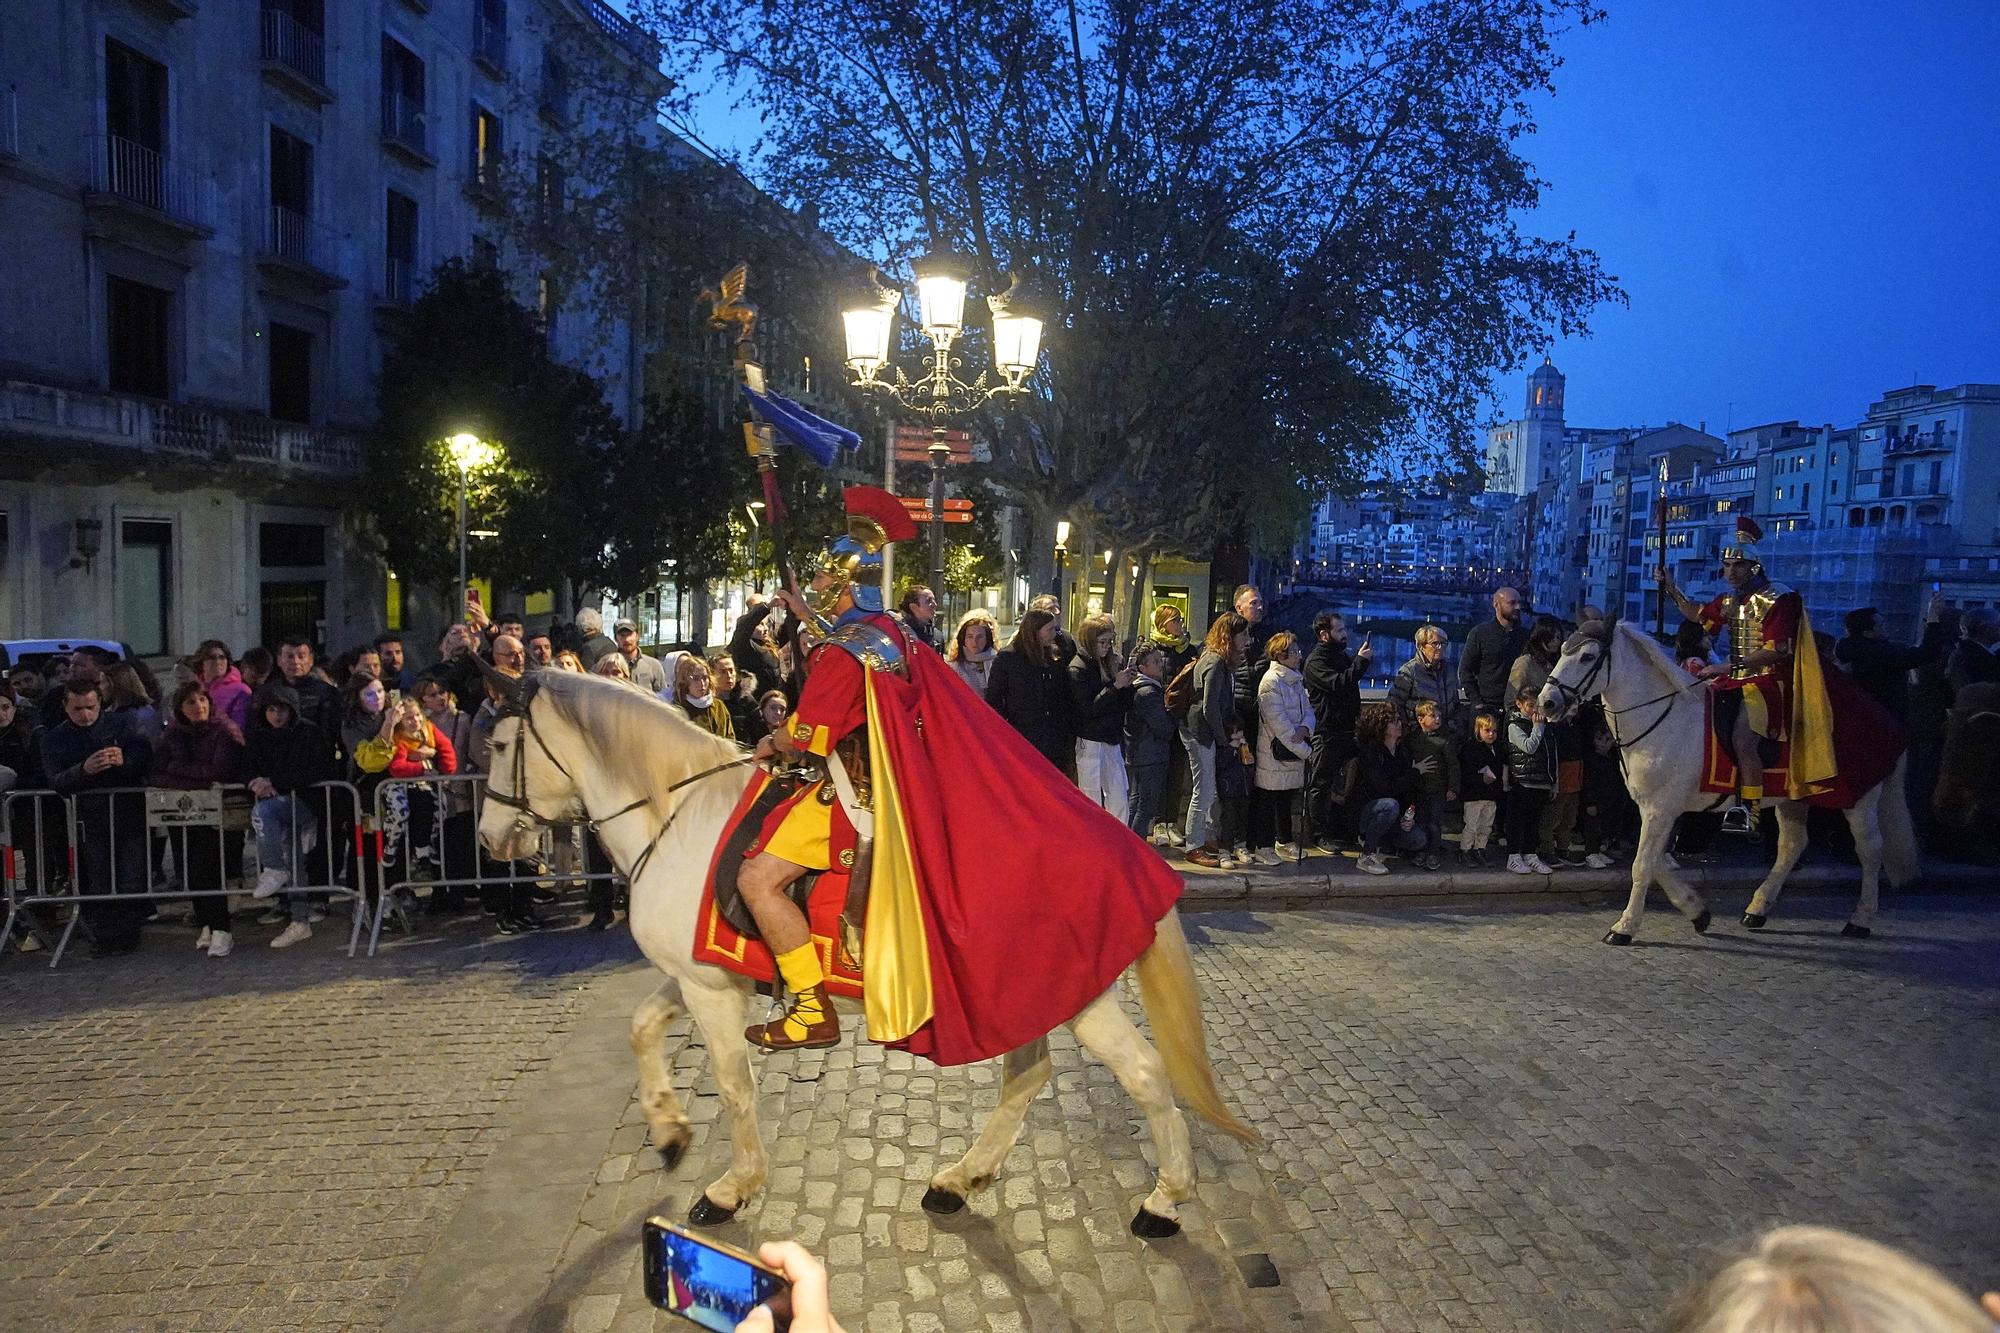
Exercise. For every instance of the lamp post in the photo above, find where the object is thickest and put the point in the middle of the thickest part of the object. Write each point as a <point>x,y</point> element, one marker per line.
<point>1062,556</point>
<point>468,451</point>
<point>938,394</point>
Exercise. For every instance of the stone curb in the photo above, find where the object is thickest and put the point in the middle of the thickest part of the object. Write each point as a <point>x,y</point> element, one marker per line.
<point>1328,880</point>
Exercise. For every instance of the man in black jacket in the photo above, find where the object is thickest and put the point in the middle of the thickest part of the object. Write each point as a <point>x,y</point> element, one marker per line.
<point>1973,660</point>
<point>1882,668</point>
<point>88,754</point>
<point>1333,687</point>
<point>1490,650</point>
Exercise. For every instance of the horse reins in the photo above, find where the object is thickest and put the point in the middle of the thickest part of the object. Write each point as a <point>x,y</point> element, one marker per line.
<point>526,815</point>
<point>1573,695</point>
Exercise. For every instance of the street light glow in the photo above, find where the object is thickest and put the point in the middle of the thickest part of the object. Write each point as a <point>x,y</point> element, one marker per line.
<point>868,337</point>
<point>941,296</point>
<point>1062,533</point>
<point>469,451</point>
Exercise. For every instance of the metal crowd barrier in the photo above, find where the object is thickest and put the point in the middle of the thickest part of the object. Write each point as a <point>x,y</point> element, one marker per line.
<point>453,794</point>
<point>124,821</point>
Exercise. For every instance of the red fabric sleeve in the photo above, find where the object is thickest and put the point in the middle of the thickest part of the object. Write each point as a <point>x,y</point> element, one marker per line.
<point>1781,623</point>
<point>447,757</point>
<point>1712,616</point>
<point>833,703</point>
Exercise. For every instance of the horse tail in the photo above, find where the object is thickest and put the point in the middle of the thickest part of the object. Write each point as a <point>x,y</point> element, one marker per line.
<point>1173,1008</point>
<point>1899,834</point>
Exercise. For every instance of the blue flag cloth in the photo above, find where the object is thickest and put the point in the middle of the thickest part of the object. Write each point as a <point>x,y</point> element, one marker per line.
<point>814,436</point>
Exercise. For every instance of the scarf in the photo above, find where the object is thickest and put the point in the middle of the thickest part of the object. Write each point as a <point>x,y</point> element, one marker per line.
<point>1172,643</point>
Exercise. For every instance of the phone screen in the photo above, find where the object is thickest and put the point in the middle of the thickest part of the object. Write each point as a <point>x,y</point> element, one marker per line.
<point>706,1282</point>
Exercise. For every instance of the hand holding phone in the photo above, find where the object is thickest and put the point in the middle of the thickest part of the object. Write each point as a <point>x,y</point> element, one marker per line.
<point>711,1284</point>
<point>811,1311</point>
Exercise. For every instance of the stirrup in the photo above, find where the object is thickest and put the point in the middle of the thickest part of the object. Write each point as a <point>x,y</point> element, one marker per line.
<point>1739,819</point>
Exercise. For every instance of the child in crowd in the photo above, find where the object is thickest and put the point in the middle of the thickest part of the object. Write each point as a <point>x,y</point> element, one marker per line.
<point>1531,767</point>
<point>1149,731</point>
<point>1440,779</point>
<point>1605,802</point>
<point>1482,770</point>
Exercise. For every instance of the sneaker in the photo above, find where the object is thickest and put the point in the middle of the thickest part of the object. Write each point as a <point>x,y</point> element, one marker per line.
<point>1174,839</point>
<point>1158,837</point>
<point>1265,856</point>
<point>1599,861</point>
<point>201,940</point>
<point>1431,861</point>
<point>28,943</point>
<point>316,915</point>
<point>1518,865</point>
<point>1287,851</point>
<point>292,934</point>
<point>220,943</point>
<point>274,916</point>
<point>269,882</point>
<point>1536,865</point>
<point>1244,858</point>
<point>1371,864</point>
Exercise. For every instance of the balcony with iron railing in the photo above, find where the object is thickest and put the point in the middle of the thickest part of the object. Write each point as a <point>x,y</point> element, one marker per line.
<point>295,242</point>
<point>1935,440</point>
<point>403,128</point>
<point>70,421</point>
<point>295,57</point>
<point>489,43</point>
<point>625,32</point>
<point>125,174</point>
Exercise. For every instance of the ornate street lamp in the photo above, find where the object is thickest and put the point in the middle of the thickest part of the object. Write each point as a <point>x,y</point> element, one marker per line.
<point>939,393</point>
<point>469,452</point>
<point>1062,555</point>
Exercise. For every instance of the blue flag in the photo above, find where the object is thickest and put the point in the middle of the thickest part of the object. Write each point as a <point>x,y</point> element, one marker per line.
<point>815,436</point>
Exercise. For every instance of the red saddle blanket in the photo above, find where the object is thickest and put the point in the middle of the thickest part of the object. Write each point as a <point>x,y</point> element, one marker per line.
<point>1866,745</point>
<point>718,942</point>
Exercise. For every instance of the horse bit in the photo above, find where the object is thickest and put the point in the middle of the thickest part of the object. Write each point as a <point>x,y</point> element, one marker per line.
<point>1573,695</point>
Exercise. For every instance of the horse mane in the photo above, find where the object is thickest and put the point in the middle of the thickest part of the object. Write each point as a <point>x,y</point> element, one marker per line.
<point>635,732</point>
<point>1649,652</point>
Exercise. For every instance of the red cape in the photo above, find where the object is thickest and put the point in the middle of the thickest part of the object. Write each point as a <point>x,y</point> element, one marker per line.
<point>1866,745</point>
<point>1034,899</point>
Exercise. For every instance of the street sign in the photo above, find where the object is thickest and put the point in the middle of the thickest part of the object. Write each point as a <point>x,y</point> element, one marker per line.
<point>951,516</point>
<point>913,445</point>
<point>914,503</point>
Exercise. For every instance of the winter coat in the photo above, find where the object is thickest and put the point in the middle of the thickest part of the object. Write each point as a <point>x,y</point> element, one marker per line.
<point>1475,755</point>
<point>405,762</point>
<point>230,698</point>
<point>1382,774</point>
<point>1490,650</point>
<point>313,702</point>
<point>21,750</point>
<point>1246,676</point>
<point>752,657</point>
<point>194,757</point>
<point>648,673</point>
<point>1528,673</point>
<point>590,654</point>
<point>976,671</point>
<point>1441,746</point>
<point>455,727</point>
<point>1149,727</point>
<point>1531,754</point>
<point>1035,699</point>
<point>64,749</point>
<point>1883,669</point>
<point>1416,682</point>
<point>1282,712</point>
<point>1333,687</point>
<point>1213,711</point>
<point>292,757</point>
<point>1972,664</point>
<point>713,719</point>
<point>1099,705</point>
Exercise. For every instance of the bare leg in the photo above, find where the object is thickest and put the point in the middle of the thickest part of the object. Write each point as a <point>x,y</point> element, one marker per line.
<point>1109,1035</point>
<point>719,1011</point>
<point>1023,1073</point>
<point>1791,846</point>
<point>656,1081</point>
<point>762,882</point>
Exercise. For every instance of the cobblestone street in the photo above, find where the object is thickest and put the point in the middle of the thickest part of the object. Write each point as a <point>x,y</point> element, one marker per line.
<point>1474,1117</point>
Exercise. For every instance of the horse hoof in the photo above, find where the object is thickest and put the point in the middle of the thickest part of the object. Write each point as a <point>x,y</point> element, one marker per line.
<point>1701,922</point>
<point>1151,1226</point>
<point>708,1213</point>
<point>671,1154</point>
<point>1617,937</point>
<point>942,1202</point>
<point>1854,932</point>
<point>1754,920</point>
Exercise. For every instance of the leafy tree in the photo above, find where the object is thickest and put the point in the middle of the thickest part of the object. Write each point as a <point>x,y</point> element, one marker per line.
<point>1280,238</point>
<point>472,359</point>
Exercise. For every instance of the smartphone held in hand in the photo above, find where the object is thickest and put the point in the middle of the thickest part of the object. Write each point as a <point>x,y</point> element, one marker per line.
<point>706,1282</point>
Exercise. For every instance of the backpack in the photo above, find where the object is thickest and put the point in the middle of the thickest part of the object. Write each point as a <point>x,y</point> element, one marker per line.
<point>1180,691</point>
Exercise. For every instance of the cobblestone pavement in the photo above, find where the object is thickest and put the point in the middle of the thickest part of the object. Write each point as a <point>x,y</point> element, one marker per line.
<point>1474,1117</point>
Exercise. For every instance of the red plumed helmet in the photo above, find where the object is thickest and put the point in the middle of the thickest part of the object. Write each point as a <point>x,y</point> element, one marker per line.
<point>876,518</point>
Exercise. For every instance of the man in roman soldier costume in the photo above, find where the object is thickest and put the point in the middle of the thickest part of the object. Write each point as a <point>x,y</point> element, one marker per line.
<point>1772,688</point>
<point>963,850</point>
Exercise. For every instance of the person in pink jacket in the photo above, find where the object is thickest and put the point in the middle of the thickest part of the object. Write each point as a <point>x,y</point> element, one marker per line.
<point>224,683</point>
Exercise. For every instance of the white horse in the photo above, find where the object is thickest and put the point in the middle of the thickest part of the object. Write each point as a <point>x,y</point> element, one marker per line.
<point>658,790</point>
<point>1655,712</point>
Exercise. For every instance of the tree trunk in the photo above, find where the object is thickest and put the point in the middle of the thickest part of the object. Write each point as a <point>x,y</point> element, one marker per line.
<point>1135,613</point>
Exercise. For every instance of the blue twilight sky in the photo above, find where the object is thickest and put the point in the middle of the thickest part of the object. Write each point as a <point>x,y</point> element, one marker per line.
<point>1800,197</point>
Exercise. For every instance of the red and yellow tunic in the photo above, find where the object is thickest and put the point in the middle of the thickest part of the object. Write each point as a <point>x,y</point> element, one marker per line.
<point>1769,618</point>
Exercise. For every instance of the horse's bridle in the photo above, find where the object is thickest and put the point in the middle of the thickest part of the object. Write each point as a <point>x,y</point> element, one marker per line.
<point>521,705</point>
<point>1572,695</point>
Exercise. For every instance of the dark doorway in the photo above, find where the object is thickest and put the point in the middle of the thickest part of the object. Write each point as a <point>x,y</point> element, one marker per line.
<point>136,322</point>
<point>291,373</point>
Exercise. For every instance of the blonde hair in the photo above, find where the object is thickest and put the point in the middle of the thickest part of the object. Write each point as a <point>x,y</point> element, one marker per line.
<point>1279,644</point>
<point>1817,1280</point>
